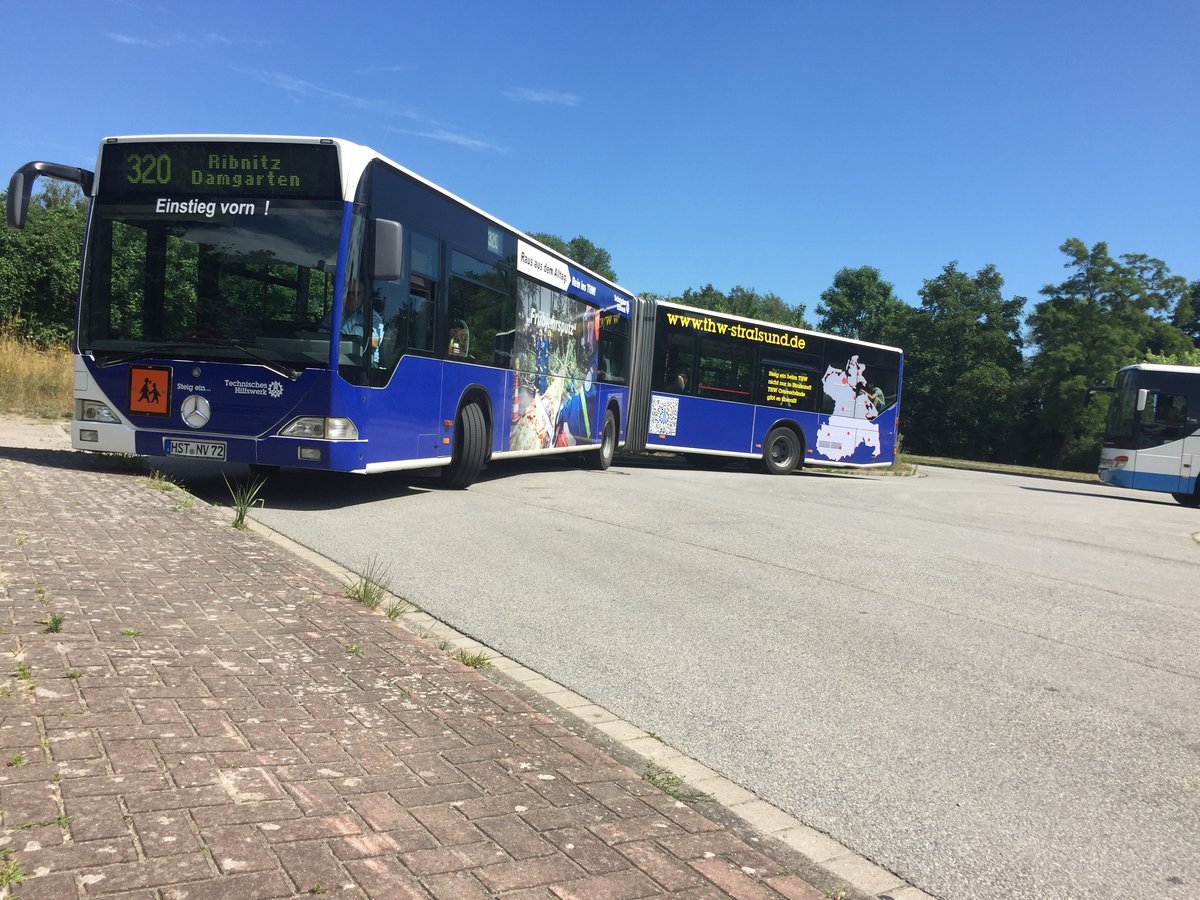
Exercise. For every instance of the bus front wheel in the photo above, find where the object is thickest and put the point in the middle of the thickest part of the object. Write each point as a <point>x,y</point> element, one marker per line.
<point>601,458</point>
<point>781,452</point>
<point>470,448</point>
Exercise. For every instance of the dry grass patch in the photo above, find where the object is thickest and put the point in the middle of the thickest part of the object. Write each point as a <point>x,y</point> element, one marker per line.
<point>35,382</point>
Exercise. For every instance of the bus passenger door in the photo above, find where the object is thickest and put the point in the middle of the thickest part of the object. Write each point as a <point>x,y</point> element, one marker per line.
<point>1163,460</point>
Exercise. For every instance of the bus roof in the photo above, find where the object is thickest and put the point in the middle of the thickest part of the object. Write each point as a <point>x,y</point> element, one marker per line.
<point>1161,367</point>
<point>821,334</point>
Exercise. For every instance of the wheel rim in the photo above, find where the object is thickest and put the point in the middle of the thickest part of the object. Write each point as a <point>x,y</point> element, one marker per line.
<point>781,451</point>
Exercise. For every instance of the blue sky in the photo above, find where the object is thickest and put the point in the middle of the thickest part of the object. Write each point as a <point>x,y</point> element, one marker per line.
<point>764,144</point>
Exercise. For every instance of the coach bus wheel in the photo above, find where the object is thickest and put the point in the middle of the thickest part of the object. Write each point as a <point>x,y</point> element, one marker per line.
<point>1192,499</point>
<point>601,458</point>
<point>470,448</point>
<point>781,452</point>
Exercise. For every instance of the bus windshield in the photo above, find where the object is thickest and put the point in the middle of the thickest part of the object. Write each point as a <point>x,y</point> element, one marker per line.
<point>1122,410</point>
<point>240,280</point>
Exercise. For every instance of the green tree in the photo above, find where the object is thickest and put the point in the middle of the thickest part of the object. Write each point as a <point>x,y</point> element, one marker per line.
<point>39,265</point>
<point>859,305</point>
<point>1187,312</point>
<point>1108,313</point>
<point>582,251</point>
<point>744,302</point>
<point>962,365</point>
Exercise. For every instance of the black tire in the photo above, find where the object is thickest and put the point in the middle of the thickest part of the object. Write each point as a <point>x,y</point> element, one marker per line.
<point>1192,499</point>
<point>601,458</point>
<point>781,452</point>
<point>470,448</point>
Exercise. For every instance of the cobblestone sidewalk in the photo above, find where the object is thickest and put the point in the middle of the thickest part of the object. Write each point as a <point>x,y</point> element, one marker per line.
<point>188,711</point>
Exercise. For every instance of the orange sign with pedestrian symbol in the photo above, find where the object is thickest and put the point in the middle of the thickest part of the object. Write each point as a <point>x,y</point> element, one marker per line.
<point>149,390</point>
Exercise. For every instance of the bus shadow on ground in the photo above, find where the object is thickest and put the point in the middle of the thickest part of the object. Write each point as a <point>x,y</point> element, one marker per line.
<point>1163,499</point>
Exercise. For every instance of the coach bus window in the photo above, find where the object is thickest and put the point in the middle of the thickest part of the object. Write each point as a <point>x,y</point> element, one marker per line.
<point>614,348</point>
<point>678,360</point>
<point>1162,419</point>
<point>725,371</point>
<point>482,310</point>
<point>410,302</point>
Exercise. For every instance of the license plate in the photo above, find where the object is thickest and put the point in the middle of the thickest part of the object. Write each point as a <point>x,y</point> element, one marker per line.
<point>195,449</point>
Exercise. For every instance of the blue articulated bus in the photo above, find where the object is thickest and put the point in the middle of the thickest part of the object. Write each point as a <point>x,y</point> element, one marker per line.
<point>308,303</point>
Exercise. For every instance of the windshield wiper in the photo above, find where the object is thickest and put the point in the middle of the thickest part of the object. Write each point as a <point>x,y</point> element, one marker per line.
<point>154,350</point>
<point>143,353</point>
<point>277,367</point>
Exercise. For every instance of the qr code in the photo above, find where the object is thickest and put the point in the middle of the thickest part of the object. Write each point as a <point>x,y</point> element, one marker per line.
<point>664,415</point>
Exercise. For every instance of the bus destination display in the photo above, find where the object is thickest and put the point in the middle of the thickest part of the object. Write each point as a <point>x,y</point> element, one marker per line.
<point>221,168</point>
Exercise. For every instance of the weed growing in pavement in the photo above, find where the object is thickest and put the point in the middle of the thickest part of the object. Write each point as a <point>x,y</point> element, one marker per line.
<point>53,623</point>
<point>131,632</point>
<point>355,650</point>
<point>396,609</point>
<point>371,586</point>
<point>24,674</point>
<point>17,760</point>
<point>185,503</point>
<point>672,785</point>
<point>474,660</point>
<point>158,481</point>
<point>10,870</point>
<point>22,539</point>
<point>245,496</point>
<point>74,673</point>
<point>317,888</point>
<point>40,593</point>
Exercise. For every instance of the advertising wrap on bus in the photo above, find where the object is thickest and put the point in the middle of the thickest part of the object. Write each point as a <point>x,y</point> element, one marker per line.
<point>548,269</point>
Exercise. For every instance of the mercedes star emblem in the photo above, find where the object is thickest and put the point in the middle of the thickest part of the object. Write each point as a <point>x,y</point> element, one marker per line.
<point>195,411</point>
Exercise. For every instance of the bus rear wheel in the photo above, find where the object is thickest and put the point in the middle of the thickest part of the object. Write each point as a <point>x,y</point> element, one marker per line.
<point>1192,499</point>
<point>470,448</point>
<point>781,452</point>
<point>601,458</point>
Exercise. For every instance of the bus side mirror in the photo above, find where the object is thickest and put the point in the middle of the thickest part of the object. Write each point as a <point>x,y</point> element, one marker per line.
<point>20,186</point>
<point>389,250</point>
<point>1143,396</point>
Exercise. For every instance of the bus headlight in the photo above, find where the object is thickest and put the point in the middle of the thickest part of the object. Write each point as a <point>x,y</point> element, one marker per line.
<point>329,429</point>
<point>92,411</point>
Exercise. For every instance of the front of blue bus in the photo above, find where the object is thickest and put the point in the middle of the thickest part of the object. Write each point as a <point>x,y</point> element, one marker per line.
<point>209,303</point>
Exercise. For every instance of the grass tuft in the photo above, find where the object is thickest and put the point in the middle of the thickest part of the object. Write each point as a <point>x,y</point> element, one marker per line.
<point>156,480</point>
<point>10,870</point>
<point>474,660</point>
<point>372,585</point>
<point>245,496</point>
<point>672,785</point>
<point>398,608</point>
<point>53,623</point>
